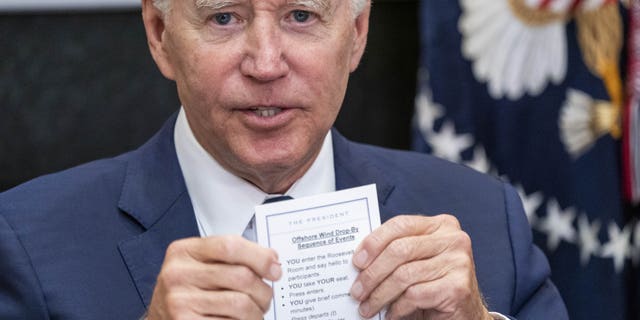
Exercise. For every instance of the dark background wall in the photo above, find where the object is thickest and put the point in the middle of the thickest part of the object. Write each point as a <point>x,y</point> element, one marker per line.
<point>80,86</point>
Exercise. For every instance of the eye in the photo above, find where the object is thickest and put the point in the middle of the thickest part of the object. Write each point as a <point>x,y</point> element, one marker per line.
<point>301,16</point>
<point>223,18</point>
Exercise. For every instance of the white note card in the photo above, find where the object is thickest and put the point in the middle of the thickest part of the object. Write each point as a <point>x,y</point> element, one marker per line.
<point>315,238</point>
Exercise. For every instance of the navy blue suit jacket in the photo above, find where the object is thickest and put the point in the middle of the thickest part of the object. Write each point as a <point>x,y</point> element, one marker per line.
<point>88,243</point>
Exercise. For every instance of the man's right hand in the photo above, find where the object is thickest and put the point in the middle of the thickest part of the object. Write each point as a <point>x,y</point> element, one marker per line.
<point>219,277</point>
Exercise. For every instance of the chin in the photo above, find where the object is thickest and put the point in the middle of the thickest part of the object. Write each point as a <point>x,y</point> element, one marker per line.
<point>281,152</point>
<point>278,162</point>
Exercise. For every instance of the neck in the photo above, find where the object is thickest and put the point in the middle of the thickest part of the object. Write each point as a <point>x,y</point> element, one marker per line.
<point>274,179</point>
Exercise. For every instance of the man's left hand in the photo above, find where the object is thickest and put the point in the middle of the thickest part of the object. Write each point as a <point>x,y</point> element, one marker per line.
<point>419,268</point>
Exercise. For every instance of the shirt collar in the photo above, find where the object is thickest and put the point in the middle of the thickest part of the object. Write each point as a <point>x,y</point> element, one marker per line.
<point>224,203</point>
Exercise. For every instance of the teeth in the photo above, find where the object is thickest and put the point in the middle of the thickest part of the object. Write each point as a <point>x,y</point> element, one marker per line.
<point>266,112</point>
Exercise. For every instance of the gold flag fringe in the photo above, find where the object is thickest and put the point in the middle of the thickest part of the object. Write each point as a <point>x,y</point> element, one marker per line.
<point>600,34</point>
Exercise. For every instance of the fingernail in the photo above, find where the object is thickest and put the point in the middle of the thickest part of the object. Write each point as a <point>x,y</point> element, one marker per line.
<point>364,309</point>
<point>356,290</point>
<point>360,259</point>
<point>275,271</point>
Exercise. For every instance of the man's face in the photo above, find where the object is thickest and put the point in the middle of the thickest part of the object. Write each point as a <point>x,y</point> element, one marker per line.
<point>261,81</point>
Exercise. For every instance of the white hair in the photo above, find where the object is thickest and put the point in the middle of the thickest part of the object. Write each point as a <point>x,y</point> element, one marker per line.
<point>356,6</point>
<point>163,5</point>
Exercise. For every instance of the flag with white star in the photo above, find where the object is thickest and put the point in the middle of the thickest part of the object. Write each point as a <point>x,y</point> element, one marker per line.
<point>532,91</point>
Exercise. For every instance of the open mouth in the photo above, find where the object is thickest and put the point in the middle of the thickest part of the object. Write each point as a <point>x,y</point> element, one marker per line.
<point>266,112</point>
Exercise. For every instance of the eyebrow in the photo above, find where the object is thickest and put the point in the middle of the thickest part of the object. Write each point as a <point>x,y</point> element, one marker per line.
<point>214,4</point>
<point>318,5</point>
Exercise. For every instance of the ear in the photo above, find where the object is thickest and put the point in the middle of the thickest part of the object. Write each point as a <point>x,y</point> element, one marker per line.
<point>360,38</point>
<point>154,25</point>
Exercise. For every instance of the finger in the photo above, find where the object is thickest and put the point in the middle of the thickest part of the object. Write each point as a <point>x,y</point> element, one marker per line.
<point>400,280</point>
<point>234,305</point>
<point>230,250</point>
<point>409,302</point>
<point>184,284</point>
<point>220,304</point>
<point>405,250</point>
<point>243,279</point>
<point>396,228</point>
<point>446,296</point>
<point>220,276</point>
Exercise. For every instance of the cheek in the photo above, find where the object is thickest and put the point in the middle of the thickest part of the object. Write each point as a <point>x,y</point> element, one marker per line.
<point>201,73</point>
<point>202,82</point>
<point>330,80</point>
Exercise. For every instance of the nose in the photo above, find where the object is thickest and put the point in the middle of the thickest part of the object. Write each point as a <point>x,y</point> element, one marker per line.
<point>264,58</point>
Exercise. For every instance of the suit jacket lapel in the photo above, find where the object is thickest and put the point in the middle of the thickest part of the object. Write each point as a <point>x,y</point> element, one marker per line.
<point>154,194</point>
<point>354,169</point>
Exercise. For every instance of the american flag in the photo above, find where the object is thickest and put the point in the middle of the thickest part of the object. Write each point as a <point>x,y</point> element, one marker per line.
<point>532,92</point>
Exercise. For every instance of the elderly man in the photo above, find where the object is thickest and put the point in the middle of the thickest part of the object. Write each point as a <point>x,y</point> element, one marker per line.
<point>157,231</point>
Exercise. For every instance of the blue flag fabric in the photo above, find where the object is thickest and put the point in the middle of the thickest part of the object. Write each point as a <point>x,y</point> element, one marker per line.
<point>531,91</point>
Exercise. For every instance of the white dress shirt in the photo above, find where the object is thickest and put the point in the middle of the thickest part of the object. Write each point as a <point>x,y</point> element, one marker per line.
<point>224,203</point>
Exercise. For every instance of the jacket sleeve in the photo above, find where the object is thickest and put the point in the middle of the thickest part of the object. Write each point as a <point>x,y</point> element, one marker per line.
<point>21,295</point>
<point>535,296</point>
